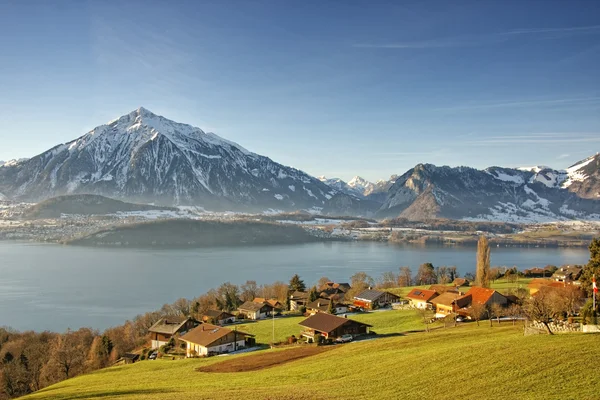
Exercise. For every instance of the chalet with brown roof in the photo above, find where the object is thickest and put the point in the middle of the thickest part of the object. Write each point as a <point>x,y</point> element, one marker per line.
<point>373,299</point>
<point>323,305</point>
<point>218,317</point>
<point>252,310</point>
<point>447,303</point>
<point>458,282</point>
<point>331,326</point>
<point>568,273</point>
<point>276,304</point>
<point>166,328</point>
<point>421,298</point>
<point>298,300</point>
<point>538,283</point>
<point>208,339</point>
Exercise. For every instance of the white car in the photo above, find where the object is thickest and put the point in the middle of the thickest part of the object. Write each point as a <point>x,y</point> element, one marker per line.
<point>344,338</point>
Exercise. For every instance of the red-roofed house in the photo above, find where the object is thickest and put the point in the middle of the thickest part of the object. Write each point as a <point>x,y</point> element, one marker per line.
<point>482,296</point>
<point>421,298</point>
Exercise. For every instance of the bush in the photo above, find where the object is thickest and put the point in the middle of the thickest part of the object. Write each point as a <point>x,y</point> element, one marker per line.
<point>303,310</point>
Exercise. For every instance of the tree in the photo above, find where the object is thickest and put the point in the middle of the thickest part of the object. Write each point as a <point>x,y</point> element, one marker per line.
<point>388,280</point>
<point>592,267</point>
<point>453,273</point>
<point>313,294</point>
<point>470,276</point>
<point>496,310</point>
<point>427,315</point>
<point>405,277</point>
<point>297,284</point>
<point>442,275</point>
<point>514,311</point>
<point>483,262</point>
<point>322,282</point>
<point>359,282</point>
<point>544,307</point>
<point>477,311</point>
<point>331,308</point>
<point>426,274</point>
<point>249,291</point>
<point>228,297</point>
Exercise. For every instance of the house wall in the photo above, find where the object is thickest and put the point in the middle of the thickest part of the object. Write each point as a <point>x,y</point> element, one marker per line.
<point>419,303</point>
<point>497,298</point>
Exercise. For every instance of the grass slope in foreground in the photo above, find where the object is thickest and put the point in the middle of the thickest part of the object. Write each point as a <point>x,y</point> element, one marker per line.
<point>468,362</point>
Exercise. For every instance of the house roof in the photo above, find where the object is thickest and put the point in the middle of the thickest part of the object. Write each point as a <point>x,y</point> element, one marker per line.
<point>297,295</point>
<point>252,306</point>
<point>371,295</point>
<point>460,282</point>
<point>480,295</point>
<point>217,313</point>
<point>324,322</point>
<point>443,288</point>
<point>206,334</point>
<point>168,325</point>
<point>445,299</point>
<point>422,294</point>
<point>322,305</point>
<point>272,302</point>
<point>343,287</point>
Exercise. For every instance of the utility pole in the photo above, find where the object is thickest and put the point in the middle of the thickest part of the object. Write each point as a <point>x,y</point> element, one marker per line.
<point>273,314</point>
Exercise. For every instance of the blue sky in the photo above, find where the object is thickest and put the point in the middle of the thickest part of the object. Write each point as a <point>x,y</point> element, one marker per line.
<point>334,88</point>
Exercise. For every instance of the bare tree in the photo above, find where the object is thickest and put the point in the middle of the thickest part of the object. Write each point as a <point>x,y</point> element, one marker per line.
<point>405,277</point>
<point>477,311</point>
<point>496,310</point>
<point>388,280</point>
<point>544,307</point>
<point>249,291</point>
<point>426,274</point>
<point>322,282</point>
<point>483,262</point>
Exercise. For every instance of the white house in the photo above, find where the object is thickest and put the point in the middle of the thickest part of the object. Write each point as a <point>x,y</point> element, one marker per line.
<point>208,339</point>
<point>322,305</point>
<point>252,310</point>
<point>421,298</point>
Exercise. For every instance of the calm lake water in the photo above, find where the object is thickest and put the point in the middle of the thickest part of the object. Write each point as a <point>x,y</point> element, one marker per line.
<point>54,287</point>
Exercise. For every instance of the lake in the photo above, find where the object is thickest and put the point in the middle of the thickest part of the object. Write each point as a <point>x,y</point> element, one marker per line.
<point>53,287</point>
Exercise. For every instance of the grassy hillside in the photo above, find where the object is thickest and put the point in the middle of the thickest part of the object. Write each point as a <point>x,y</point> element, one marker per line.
<point>195,233</point>
<point>468,362</point>
<point>384,322</point>
<point>85,204</point>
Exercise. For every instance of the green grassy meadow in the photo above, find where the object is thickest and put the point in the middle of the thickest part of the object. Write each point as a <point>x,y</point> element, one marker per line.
<point>468,362</point>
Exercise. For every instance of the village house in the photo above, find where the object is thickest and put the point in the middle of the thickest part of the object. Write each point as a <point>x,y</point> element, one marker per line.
<point>372,299</point>
<point>567,273</point>
<point>537,283</point>
<point>298,300</point>
<point>218,317</point>
<point>252,310</point>
<point>209,339</point>
<point>421,298</point>
<point>447,303</point>
<point>166,328</point>
<point>458,282</point>
<point>323,305</point>
<point>537,272</point>
<point>276,304</point>
<point>331,327</point>
<point>482,296</point>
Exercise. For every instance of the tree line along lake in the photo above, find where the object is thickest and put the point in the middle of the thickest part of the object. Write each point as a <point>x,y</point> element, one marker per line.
<point>54,287</point>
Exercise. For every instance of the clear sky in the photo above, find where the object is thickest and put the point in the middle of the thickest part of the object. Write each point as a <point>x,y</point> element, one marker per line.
<point>339,88</point>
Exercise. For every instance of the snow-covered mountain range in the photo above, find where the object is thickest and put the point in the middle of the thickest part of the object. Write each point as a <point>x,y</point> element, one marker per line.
<point>148,158</point>
<point>144,157</point>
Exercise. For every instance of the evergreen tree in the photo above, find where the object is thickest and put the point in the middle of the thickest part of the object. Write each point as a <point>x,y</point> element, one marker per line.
<point>592,267</point>
<point>482,276</point>
<point>297,284</point>
<point>331,308</point>
<point>313,294</point>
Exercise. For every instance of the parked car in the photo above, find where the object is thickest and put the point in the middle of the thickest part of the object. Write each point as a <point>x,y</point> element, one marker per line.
<point>152,356</point>
<point>459,319</point>
<point>344,338</point>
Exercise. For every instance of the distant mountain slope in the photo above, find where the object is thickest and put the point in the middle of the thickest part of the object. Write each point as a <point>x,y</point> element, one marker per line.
<point>147,158</point>
<point>194,233</point>
<point>85,204</point>
<point>583,178</point>
<point>502,194</point>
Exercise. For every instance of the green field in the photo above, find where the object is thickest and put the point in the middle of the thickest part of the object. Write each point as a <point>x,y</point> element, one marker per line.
<point>384,322</point>
<point>468,362</point>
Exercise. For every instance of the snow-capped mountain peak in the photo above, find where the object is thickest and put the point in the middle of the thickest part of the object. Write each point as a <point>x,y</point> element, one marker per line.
<point>143,156</point>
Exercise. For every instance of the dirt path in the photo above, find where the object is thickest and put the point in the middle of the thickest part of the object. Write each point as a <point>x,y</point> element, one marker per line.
<point>264,360</point>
